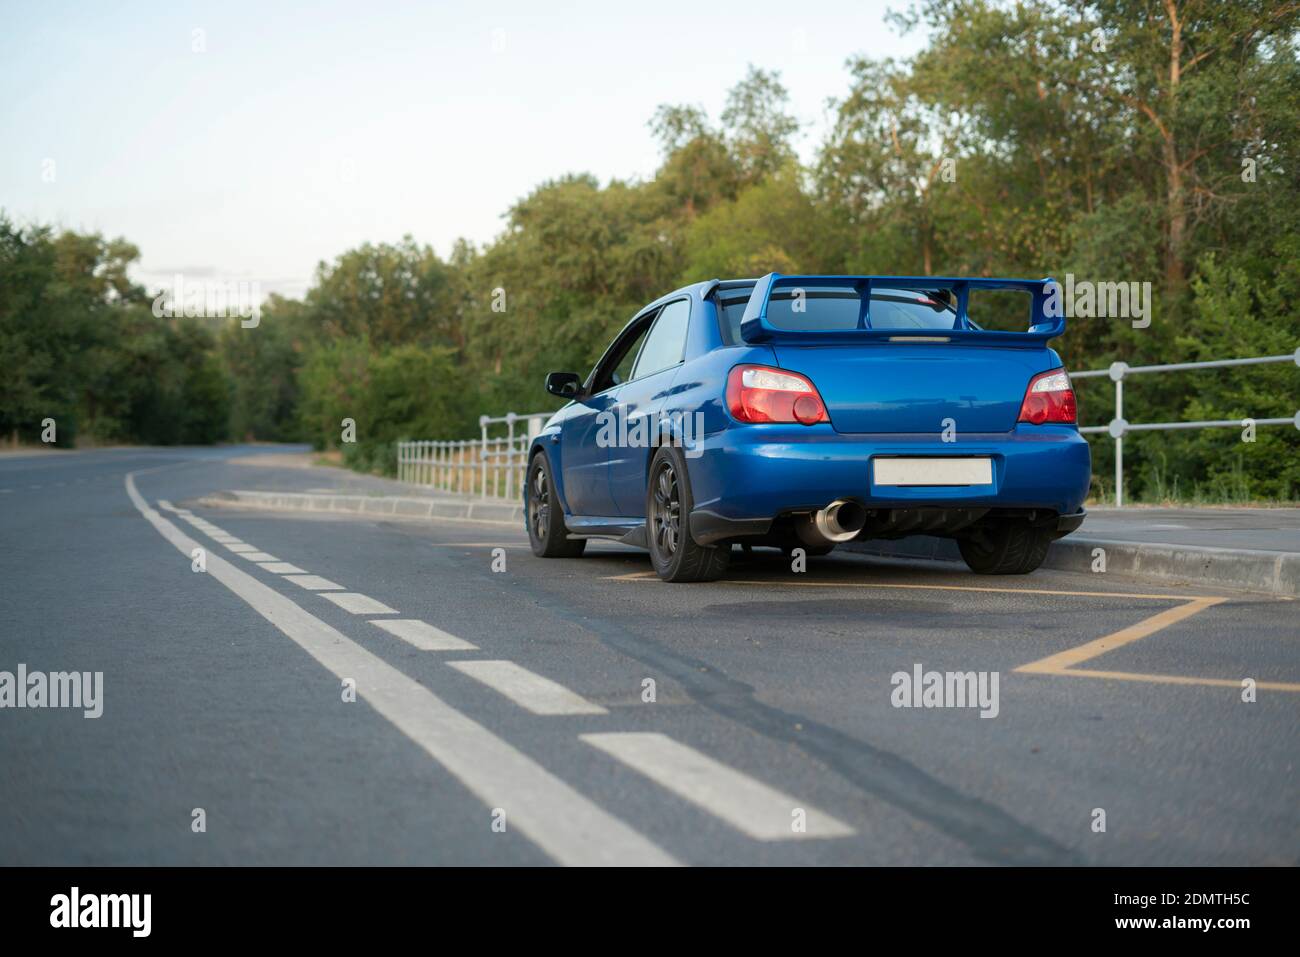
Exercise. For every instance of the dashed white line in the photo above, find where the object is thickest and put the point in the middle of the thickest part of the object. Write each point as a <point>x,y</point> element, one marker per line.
<point>259,557</point>
<point>238,546</point>
<point>358,603</point>
<point>526,689</point>
<point>312,582</point>
<point>423,635</point>
<point>566,825</point>
<point>284,568</point>
<point>748,805</point>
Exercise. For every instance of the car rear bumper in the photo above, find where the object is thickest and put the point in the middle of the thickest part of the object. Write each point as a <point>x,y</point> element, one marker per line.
<point>743,478</point>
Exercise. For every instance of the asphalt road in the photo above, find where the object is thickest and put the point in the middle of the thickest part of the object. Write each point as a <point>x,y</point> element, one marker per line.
<point>507,722</point>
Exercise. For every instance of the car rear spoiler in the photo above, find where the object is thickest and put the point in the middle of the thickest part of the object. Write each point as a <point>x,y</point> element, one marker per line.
<point>1047,316</point>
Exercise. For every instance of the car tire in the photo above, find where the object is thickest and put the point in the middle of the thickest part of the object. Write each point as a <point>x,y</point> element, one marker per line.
<point>547,533</point>
<point>1007,548</point>
<point>675,555</point>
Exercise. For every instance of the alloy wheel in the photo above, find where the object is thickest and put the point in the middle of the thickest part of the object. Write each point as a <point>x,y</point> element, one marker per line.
<point>666,520</point>
<point>539,504</point>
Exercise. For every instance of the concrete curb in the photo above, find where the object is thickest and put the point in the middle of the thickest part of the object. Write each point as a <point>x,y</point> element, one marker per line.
<point>1273,573</point>
<point>392,506</point>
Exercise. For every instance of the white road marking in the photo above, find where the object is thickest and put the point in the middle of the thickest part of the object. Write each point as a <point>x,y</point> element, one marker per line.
<point>567,826</point>
<point>284,568</point>
<point>358,603</point>
<point>762,812</point>
<point>423,635</point>
<point>238,546</point>
<point>259,557</point>
<point>526,689</point>
<point>226,539</point>
<point>312,582</point>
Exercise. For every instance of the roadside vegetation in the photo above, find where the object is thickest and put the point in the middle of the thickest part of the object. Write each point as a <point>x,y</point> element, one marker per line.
<point>1117,141</point>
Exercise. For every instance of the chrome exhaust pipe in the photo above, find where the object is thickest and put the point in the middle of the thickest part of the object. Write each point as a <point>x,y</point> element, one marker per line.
<point>837,522</point>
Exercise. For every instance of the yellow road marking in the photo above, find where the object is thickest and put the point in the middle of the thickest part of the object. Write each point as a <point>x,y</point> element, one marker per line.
<point>1054,664</point>
<point>1062,663</point>
<point>1174,679</point>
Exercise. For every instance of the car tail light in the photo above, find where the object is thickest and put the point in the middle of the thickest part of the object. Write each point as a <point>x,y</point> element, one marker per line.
<point>764,394</point>
<point>1049,398</point>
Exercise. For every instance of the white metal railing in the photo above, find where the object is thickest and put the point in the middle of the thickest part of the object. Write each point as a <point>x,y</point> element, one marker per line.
<point>1118,427</point>
<point>490,466</point>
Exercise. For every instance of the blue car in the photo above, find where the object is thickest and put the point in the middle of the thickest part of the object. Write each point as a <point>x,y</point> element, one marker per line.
<point>807,411</point>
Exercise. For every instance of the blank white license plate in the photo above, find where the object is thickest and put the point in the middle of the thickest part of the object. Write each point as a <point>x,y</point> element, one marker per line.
<point>938,471</point>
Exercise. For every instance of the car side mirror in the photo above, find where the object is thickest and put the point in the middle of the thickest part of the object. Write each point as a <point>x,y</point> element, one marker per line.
<point>567,385</point>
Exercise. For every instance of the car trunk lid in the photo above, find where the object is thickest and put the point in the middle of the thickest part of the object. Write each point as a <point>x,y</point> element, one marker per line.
<point>913,387</point>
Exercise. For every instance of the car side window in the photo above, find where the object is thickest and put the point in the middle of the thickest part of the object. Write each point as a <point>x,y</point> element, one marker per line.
<point>615,367</point>
<point>667,340</point>
<point>623,371</point>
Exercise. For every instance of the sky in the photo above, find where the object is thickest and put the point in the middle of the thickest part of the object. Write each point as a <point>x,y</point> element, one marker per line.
<point>247,142</point>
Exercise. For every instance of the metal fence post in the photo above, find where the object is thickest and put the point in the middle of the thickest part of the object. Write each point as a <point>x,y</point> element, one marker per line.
<point>1117,428</point>
<point>510,454</point>
<point>1119,445</point>
<point>483,462</point>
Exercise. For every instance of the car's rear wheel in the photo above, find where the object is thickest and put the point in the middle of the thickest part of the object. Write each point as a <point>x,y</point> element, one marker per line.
<point>546,531</point>
<point>675,555</point>
<point>1005,548</point>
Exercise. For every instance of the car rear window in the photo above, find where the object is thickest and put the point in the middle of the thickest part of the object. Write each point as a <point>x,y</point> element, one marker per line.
<point>837,308</point>
<point>912,309</point>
